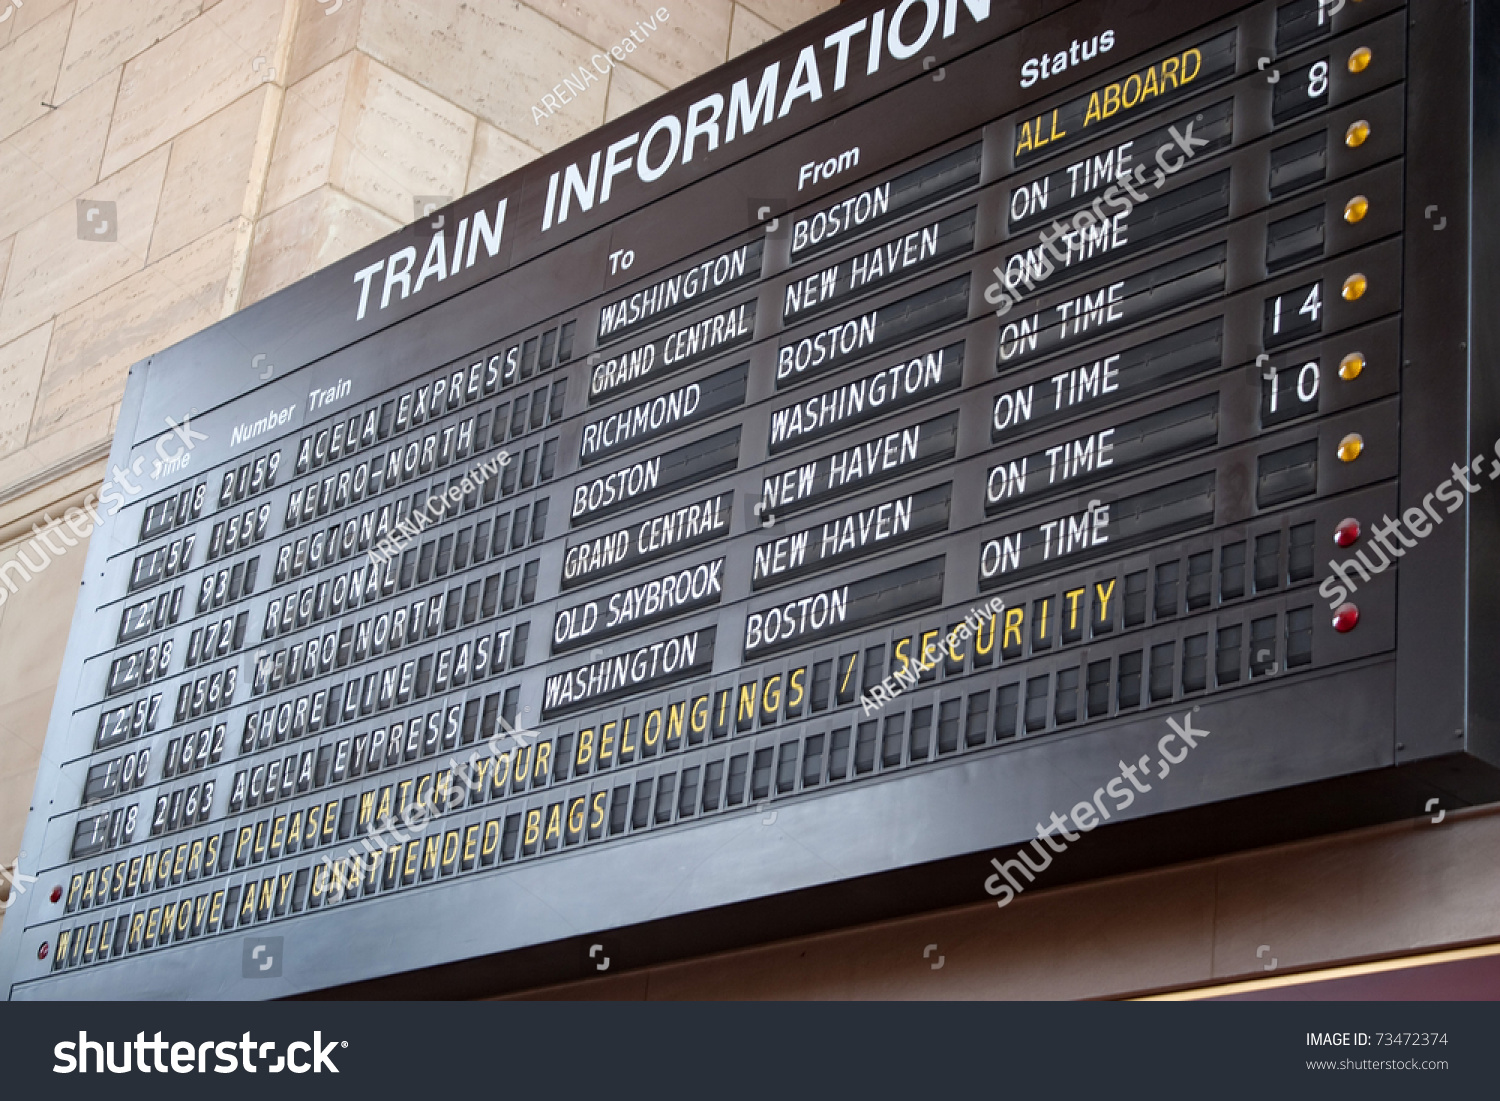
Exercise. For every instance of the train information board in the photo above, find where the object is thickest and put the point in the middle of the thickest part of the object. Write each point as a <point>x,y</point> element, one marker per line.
<point>804,483</point>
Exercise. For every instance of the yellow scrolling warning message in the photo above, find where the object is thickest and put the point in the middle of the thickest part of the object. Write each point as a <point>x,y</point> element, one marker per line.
<point>1164,80</point>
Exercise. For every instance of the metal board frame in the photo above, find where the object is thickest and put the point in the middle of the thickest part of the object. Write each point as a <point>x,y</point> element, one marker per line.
<point>1369,739</point>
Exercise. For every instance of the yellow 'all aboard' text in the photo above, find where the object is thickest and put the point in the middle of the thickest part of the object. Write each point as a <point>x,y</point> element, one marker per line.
<point>1104,103</point>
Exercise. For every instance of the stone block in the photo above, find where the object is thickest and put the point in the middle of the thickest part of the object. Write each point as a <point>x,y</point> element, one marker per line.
<point>106,34</point>
<point>21,363</point>
<point>405,141</point>
<point>208,174</point>
<point>786,14</point>
<point>53,267</point>
<point>495,60</point>
<point>627,91</point>
<point>325,32</point>
<point>193,73</point>
<point>307,137</point>
<point>56,157</point>
<point>21,19</point>
<point>28,71</point>
<point>95,342</point>
<point>496,154</point>
<point>750,30</point>
<point>61,449</point>
<point>691,40</point>
<point>307,234</point>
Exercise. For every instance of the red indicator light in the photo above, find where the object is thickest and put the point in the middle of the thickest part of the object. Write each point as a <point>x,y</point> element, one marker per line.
<point>56,893</point>
<point>1347,533</point>
<point>41,953</point>
<point>1346,618</point>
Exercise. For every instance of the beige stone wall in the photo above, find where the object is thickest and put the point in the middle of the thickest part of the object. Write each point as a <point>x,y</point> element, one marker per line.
<point>244,145</point>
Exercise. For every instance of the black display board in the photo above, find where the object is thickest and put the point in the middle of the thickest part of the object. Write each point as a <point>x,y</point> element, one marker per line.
<point>751,517</point>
